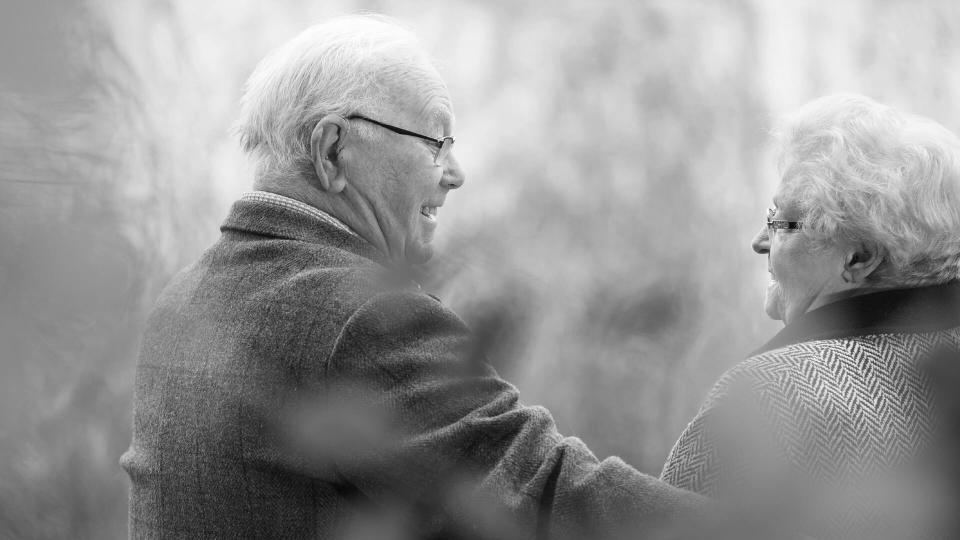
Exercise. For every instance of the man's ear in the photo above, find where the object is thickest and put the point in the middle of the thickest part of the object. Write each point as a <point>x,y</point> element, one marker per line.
<point>861,262</point>
<point>325,143</point>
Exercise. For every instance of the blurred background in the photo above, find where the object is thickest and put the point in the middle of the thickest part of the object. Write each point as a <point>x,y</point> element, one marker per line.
<point>618,166</point>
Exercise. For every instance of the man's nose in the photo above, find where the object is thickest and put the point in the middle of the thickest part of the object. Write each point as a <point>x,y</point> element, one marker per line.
<point>761,242</point>
<point>453,175</point>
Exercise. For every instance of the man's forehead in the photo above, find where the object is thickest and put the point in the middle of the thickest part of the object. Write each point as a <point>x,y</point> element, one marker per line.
<point>433,100</point>
<point>423,94</point>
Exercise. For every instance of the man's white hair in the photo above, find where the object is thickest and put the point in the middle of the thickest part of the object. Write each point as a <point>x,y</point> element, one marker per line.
<point>336,67</point>
<point>865,174</point>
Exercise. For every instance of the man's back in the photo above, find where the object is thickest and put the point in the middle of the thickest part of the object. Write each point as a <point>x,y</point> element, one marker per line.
<point>230,340</point>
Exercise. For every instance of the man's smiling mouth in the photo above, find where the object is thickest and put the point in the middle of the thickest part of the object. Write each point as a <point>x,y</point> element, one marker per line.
<point>429,212</point>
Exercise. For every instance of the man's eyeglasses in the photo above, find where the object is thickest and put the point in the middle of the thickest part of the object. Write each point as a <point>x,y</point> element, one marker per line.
<point>773,224</point>
<point>443,144</point>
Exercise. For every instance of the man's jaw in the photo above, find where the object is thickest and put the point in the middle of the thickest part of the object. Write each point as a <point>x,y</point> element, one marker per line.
<point>418,249</point>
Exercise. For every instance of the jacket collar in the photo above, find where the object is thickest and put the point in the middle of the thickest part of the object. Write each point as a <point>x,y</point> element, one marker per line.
<point>920,309</point>
<point>273,215</point>
<point>293,204</point>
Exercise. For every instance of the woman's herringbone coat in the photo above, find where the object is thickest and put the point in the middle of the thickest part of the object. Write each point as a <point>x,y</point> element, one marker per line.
<point>831,426</point>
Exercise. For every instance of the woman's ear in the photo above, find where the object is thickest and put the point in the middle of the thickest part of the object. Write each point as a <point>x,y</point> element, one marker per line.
<point>325,143</point>
<point>862,262</point>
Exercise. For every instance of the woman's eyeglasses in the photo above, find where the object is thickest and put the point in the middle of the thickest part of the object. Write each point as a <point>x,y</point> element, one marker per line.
<point>773,224</point>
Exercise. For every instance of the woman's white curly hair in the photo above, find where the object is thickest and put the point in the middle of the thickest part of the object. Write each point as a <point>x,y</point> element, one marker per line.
<point>862,173</point>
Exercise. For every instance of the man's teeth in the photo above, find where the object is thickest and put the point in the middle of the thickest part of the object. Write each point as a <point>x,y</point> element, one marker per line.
<point>429,211</point>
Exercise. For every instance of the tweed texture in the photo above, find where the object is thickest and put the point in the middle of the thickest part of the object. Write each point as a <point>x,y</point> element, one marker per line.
<point>288,386</point>
<point>828,433</point>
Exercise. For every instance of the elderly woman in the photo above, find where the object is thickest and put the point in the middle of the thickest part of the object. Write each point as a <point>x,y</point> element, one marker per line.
<point>829,423</point>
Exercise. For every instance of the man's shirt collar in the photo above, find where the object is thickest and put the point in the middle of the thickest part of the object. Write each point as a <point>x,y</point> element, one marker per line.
<point>296,206</point>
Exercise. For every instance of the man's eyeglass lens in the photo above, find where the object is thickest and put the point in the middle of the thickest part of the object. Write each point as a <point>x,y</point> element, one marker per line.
<point>444,149</point>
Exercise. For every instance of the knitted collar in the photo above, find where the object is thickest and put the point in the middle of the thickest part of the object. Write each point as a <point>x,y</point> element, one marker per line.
<point>296,206</point>
<point>282,217</point>
<point>273,215</point>
<point>919,309</point>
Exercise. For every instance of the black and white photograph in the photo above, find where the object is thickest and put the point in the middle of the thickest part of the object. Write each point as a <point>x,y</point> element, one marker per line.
<point>480,269</point>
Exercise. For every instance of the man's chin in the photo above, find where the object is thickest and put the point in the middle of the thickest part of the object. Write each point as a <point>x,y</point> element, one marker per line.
<point>417,253</point>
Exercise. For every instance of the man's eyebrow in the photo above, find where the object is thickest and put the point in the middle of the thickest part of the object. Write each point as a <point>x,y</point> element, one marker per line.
<point>442,115</point>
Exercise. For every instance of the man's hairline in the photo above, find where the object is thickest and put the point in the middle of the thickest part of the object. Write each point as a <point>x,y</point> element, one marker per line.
<point>438,108</point>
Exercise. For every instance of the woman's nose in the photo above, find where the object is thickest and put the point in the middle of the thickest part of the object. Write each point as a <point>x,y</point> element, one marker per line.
<point>761,242</point>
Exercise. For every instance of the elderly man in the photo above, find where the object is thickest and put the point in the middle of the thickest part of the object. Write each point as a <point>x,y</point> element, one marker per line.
<point>292,383</point>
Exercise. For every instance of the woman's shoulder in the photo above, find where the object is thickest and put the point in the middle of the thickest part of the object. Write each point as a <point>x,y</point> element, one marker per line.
<point>853,400</point>
<point>852,374</point>
<point>877,363</point>
<point>850,390</point>
<point>854,358</point>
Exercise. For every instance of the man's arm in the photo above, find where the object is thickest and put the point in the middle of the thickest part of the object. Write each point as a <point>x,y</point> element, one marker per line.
<point>458,435</point>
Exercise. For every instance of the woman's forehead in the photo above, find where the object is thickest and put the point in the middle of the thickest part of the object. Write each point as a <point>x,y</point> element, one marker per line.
<point>781,200</point>
<point>786,204</point>
<point>791,191</point>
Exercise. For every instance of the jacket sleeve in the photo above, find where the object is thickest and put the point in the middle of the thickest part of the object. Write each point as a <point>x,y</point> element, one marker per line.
<point>735,450</point>
<point>440,429</point>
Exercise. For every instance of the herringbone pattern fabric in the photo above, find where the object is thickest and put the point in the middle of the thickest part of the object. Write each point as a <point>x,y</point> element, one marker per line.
<point>834,426</point>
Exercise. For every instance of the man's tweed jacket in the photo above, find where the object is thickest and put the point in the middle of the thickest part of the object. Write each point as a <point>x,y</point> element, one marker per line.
<point>830,422</point>
<point>285,390</point>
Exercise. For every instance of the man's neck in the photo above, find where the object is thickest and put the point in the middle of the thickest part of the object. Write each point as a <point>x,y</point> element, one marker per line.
<point>336,206</point>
